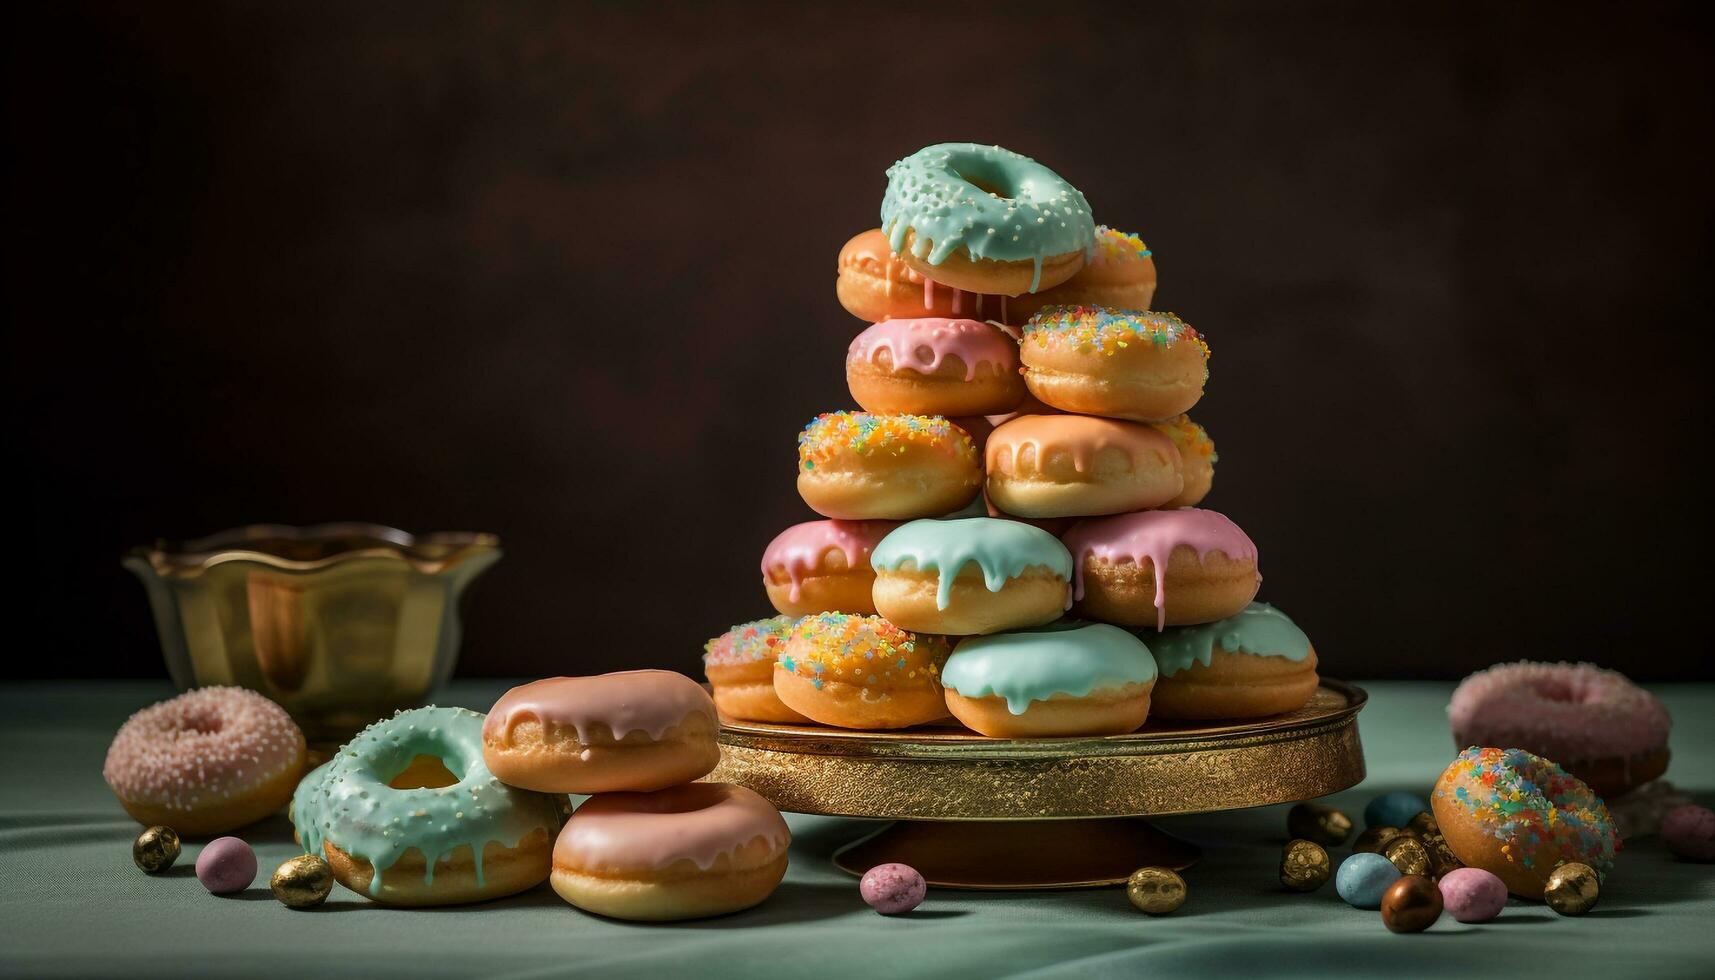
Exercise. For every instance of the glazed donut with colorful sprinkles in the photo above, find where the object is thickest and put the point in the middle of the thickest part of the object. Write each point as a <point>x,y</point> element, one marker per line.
<point>823,566</point>
<point>875,284</point>
<point>1120,275</point>
<point>1117,363</point>
<point>740,667</point>
<point>985,219</point>
<point>1197,459</point>
<point>862,672</point>
<point>861,466</point>
<point>935,366</point>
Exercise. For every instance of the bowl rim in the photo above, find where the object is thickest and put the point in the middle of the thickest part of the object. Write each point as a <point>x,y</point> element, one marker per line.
<point>250,542</point>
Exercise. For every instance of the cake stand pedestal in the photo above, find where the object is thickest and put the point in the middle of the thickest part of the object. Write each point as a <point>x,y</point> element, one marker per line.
<point>975,812</point>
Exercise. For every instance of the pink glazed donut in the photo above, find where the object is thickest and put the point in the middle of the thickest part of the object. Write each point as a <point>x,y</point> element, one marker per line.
<point>1595,723</point>
<point>935,366</point>
<point>823,566</point>
<point>207,761</point>
<point>1162,568</point>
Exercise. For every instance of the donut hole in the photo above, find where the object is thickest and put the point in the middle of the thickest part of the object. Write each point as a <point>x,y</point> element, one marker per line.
<point>982,174</point>
<point>425,772</point>
<point>203,722</point>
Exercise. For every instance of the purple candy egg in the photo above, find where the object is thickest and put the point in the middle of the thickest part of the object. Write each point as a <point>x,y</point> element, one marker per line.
<point>892,888</point>
<point>1472,894</point>
<point>1690,832</point>
<point>226,865</point>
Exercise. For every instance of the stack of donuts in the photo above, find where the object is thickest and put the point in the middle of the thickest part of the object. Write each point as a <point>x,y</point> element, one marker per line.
<point>1010,535</point>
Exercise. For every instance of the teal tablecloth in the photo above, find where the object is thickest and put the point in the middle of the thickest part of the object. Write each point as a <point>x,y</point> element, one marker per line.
<point>72,904</point>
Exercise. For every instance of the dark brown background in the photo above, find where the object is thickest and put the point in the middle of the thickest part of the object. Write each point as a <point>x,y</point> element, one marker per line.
<point>566,273</point>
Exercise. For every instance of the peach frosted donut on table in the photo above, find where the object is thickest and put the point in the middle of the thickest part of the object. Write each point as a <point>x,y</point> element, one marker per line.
<point>1595,723</point>
<point>860,466</point>
<point>1197,458</point>
<point>1117,363</point>
<point>1079,465</point>
<point>823,566</point>
<point>1162,567</point>
<point>740,667</point>
<point>1063,679</point>
<point>970,575</point>
<point>1120,276</point>
<point>934,366</point>
<point>861,672</point>
<point>875,284</point>
<point>686,852</point>
<point>207,761</point>
<point>1255,663</point>
<point>636,730</point>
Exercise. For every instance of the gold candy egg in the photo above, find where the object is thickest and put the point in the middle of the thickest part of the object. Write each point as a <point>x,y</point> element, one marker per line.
<point>155,849</point>
<point>1573,889</point>
<point>1156,891</point>
<point>303,882</point>
<point>1373,839</point>
<point>1303,866</point>
<point>1422,824</point>
<point>1323,824</point>
<point>1407,854</point>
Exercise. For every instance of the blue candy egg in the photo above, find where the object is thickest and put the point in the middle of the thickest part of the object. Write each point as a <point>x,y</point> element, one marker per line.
<point>1393,809</point>
<point>1363,878</point>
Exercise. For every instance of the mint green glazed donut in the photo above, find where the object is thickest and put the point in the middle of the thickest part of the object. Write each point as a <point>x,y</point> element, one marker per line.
<point>991,202</point>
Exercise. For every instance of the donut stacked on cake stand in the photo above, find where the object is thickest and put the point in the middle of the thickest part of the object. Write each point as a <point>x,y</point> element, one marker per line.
<point>1013,629</point>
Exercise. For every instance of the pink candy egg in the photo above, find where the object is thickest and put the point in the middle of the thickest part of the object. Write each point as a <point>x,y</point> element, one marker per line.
<point>226,865</point>
<point>1472,894</point>
<point>1690,832</point>
<point>892,888</point>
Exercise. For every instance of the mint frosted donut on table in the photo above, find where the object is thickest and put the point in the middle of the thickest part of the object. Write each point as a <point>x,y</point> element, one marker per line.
<point>986,219</point>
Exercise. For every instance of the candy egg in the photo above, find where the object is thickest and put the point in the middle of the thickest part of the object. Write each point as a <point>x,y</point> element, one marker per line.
<point>226,865</point>
<point>1303,866</point>
<point>1156,891</point>
<point>1689,832</point>
<point>1572,889</point>
<point>1322,824</point>
<point>1363,878</point>
<point>1411,904</point>
<point>1393,809</point>
<point>1407,854</point>
<point>1374,839</point>
<point>892,888</point>
<point>155,849</point>
<point>302,883</point>
<point>1472,894</point>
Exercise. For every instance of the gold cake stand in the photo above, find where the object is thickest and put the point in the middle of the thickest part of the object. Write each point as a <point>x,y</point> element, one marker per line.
<point>975,812</point>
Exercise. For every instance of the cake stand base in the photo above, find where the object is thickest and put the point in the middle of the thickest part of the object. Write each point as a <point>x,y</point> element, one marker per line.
<point>1019,854</point>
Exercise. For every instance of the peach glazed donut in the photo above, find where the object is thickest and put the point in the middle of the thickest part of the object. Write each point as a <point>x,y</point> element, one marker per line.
<point>206,761</point>
<point>1120,276</point>
<point>985,219</point>
<point>740,667</point>
<point>683,853</point>
<point>875,285</point>
<point>635,730</point>
<point>822,566</point>
<point>858,466</point>
<point>1066,678</point>
<point>1519,816</point>
<point>1197,458</point>
<point>934,366</point>
<point>970,575</point>
<point>1080,466</point>
<point>1210,567</point>
<point>861,672</point>
<point>407,814</point>
<point>1596,724</point>
<point>1121,364</point>
<point>1245,666</point>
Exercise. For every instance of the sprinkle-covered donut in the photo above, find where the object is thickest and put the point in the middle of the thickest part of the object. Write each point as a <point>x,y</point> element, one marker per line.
<point>740,667</point>
<point>1520,816</point>
<point>1166,567</point>
<point>986,219</point>
<point>207,761</point>
<point>1595,723</point>
<point>1124,364</point>
<point>970,575</point>
<point>860,466</point>
<point>1066,678</point>
<point>935,366</point>
<point>1197,459</point>
<point>861,672</point>
<point>408,813</point>
<point>1119,275</point>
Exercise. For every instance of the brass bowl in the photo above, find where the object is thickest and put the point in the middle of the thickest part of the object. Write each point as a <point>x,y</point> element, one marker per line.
<point>339,623</point>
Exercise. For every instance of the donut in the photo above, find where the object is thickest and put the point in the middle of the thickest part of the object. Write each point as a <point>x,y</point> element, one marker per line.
<point>1594,723</point>
<point>407,813</point>
<point>985,219</point>
<point>683,853</point>
<point>1245,666</point>
<point>1519,816</point>
<point>875,284</point>
<point>1119,275</point>
<point>858,466</point>
<point>205,762</point>
<point>822,566</point>
<point>1079,466</point>
<point>934,366</point>
<point>1210,567</point>
<point>631,731</point>
<point>740,666</point>
<point>1118,363</point>
<point>1066,678</point>
<point>970,575</point>
<point>1197,458</point>
<point>861,672</point>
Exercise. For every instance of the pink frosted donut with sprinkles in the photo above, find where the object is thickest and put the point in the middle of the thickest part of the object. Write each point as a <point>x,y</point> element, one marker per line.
<point>208,761</point>
<point>1120,275</point>
<point>1595,723</point>
<point>1124,364</point>
<point>861,466</point>
<point>823,566</point>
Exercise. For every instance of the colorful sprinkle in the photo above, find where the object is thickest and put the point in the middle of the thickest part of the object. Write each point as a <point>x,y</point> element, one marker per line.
<point>1541,812</point>
<point>1108,331</point>
<point>862,650</point>
<point>1114,246</point>
<point>747,643</point>
<point>1189,437</point>
<point>832,433</point>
